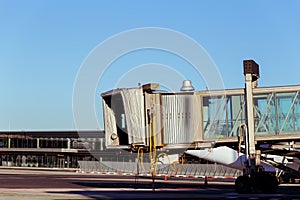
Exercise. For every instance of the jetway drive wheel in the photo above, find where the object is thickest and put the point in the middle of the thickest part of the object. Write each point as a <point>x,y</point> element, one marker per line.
<point>242,184</point>
<point>264,182</point>
<point>260,182</point>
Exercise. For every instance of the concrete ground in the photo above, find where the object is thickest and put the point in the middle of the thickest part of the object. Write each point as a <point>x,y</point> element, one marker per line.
<point>69,184</point>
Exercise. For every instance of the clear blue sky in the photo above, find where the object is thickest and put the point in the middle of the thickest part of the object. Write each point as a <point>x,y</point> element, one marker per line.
<point>44,43</point>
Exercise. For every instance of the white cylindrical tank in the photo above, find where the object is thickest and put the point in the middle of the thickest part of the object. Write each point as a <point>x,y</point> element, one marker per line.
<point>225,156</point>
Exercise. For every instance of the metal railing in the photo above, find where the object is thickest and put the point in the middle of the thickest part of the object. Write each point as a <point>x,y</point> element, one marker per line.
<point>188,170</point>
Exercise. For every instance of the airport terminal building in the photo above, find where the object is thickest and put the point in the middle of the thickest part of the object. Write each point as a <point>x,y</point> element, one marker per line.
<point>51,149</point>
<point>59,149</point>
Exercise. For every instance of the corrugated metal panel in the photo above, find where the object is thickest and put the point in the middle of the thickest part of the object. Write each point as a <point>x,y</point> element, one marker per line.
<point>133,102</point>
<point>110,124</point>
<point>179,125</point>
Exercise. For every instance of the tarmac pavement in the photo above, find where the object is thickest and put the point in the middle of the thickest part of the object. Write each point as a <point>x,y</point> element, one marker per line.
<point>35,184</point>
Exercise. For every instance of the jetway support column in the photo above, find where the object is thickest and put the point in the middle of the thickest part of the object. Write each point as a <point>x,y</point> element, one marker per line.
<point>251,76</point>
<point>254,178</point>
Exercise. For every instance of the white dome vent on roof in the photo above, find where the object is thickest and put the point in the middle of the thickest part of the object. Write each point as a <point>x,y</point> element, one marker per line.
<point>187,86</point>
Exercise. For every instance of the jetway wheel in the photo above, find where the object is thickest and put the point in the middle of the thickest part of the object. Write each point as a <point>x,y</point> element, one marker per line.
<point>242,184</point>
<point>264,182</point>
<point>260,182</point>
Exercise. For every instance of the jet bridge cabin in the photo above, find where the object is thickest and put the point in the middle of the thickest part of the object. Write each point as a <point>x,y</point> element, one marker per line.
<point>134,115</point>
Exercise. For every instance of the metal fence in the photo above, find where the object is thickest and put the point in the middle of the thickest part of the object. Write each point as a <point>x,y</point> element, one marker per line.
<point>184,170</point>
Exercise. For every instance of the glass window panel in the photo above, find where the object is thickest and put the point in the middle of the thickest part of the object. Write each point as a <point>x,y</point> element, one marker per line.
<point>264,114</point>
<point>222,115</point>
<point>288,111</point>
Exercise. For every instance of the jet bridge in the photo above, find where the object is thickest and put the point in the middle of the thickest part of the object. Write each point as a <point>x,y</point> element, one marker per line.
<point>248,123</point>
<point>190,120</point>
